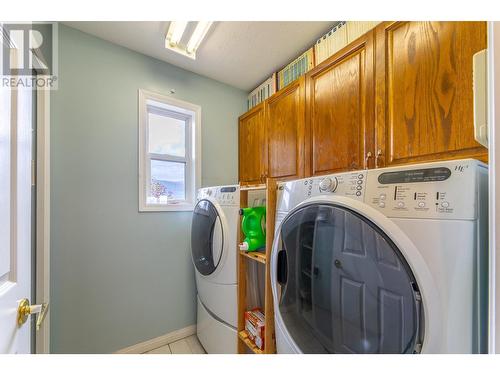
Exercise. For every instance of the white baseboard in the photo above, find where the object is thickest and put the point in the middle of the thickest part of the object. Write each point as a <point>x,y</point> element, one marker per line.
<point>159,341</point>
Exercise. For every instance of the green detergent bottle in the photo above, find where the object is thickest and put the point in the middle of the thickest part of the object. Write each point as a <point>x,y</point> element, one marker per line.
<point>252,226</point>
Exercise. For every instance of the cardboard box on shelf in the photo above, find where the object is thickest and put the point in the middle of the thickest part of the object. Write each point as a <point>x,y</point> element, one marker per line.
<point>255,326</point>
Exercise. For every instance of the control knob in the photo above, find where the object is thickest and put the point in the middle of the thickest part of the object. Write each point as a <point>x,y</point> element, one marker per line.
<point>328,184</point>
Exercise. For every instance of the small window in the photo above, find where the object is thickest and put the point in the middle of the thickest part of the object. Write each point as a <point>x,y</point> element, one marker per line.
<point>169,163</point>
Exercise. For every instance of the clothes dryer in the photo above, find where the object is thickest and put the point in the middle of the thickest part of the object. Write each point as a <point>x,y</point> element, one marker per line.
<point>214,253</point>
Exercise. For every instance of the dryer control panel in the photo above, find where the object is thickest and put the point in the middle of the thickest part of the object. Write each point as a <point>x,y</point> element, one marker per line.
<point>228,195</point>
<point>224,195</point>
<point>445,189</point>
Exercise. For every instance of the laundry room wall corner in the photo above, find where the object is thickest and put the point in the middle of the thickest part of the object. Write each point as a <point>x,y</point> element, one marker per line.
<point>120,277</point>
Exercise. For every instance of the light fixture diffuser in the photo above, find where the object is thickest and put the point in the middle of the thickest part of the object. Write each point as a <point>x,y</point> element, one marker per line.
<point>198,35</point>
<point>179,31</point>
<point>175,31</point>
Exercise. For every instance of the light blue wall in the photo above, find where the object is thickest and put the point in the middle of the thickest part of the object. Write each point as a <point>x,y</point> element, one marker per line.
<point>118,276</point>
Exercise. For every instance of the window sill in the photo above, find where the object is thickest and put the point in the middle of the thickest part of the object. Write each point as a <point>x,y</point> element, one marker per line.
<point>166,207</point>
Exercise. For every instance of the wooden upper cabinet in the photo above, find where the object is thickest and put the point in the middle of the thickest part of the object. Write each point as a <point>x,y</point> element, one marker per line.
<point>424,97</point>
<point>285,132</point>
<point>252,146</point>
<point>340,110</point>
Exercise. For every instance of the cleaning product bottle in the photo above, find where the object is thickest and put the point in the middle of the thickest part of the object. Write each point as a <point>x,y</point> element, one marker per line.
<point>253,225</point>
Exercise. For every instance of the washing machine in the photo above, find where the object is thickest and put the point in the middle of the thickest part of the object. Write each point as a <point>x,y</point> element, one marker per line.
<point>214,254</point>
<point>390,260</point>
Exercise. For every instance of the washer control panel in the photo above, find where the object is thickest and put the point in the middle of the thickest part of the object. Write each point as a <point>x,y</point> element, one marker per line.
<point>432,190</point>
<point>224,195</point>
<point>444,190</point>
<point>349,184</point>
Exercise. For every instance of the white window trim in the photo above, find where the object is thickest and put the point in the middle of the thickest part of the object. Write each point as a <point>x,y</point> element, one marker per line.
<point>191,111</point>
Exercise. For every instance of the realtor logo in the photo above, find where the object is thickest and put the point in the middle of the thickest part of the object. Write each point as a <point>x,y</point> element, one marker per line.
<point>29,55</point>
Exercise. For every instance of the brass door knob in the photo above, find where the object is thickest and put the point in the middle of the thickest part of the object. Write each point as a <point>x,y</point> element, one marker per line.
<point>25,309</point>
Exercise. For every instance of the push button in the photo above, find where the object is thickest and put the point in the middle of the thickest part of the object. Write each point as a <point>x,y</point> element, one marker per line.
<point>421,204</point>
<point>401,204</point>
<point>445,204</point>
<point>381,204</point>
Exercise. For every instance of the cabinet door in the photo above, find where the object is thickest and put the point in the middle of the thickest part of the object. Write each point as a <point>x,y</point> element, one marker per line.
<point>252,146</point>
<point>340,110</point>
<point>285,132</point>
<point>424,94</point>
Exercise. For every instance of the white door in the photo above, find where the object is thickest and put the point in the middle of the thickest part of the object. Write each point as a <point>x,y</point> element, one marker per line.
<point>15,216</point>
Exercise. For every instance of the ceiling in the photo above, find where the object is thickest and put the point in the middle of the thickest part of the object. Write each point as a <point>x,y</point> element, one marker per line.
<point>241,54</point>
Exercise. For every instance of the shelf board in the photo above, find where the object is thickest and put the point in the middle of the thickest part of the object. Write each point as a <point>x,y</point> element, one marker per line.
<point>255,255</point>
<point>253,187</point>
<point>243,336</point>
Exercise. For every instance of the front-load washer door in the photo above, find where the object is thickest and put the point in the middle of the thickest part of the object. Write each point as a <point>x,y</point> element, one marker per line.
<point>345,286</point>
<point>207,237</point>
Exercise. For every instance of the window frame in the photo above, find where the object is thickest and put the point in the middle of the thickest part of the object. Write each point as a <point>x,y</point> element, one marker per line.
<point>181,110</point>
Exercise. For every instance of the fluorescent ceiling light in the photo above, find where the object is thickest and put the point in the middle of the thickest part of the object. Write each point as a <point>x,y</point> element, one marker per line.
<point>175,31</point>
<point>198,35</point>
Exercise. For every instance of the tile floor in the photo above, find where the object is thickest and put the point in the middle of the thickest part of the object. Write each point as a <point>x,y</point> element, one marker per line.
<point>189,345</point>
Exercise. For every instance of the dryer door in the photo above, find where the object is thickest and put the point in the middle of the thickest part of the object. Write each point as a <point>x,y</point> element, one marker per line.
<point>207,237</point>
<point>345,286</point>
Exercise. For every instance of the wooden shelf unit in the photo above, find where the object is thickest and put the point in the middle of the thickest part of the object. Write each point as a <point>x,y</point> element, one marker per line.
<point>254,255</point>
<point>243,336</point>
<point>263,258</point>
<point>253,187</point>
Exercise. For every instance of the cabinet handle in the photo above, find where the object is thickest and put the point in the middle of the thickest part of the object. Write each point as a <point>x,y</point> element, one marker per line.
<point>480,89</point>
<point>377,158</point>
<point>369,155</point>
